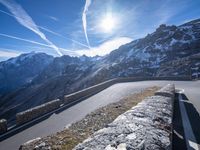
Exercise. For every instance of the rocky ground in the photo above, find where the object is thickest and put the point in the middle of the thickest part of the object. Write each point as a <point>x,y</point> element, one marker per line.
<point>79,131</point>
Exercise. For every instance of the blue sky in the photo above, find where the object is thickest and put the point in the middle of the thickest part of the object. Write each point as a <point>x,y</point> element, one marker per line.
<point>77,27</point>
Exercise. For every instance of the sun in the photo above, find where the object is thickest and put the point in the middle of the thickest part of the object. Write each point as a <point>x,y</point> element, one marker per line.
<point>108,23</point>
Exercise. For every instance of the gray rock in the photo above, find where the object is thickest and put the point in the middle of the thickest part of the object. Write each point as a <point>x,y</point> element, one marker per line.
<point>146,126</point>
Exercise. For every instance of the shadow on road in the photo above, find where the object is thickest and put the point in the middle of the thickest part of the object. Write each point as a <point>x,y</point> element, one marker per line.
<point>179,140</point>
<point>178,132</point>
<point>194,117</point>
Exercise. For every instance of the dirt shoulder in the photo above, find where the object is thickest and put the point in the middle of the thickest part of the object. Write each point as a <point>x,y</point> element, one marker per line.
<point>79,131</point>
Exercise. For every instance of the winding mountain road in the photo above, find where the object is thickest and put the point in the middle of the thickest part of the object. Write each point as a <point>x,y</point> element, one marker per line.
<point>57,122</point>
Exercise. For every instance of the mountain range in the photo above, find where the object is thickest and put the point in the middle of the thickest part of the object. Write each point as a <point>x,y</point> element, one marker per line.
<point>35,78</point>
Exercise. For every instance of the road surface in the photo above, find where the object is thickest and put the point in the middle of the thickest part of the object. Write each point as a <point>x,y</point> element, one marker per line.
<point>57,122</point>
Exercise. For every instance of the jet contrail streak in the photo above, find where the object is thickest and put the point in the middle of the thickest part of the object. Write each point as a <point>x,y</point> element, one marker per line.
<point>84,19</point>
<point>50,31</point>
<point>25,20</point>
<point>25,40</point>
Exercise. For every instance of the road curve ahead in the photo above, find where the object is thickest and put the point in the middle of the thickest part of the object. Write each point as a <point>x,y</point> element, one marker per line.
<point>57,122</point>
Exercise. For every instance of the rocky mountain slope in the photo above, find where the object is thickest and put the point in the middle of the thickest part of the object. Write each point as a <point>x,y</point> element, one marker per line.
<point>169,51</point>
<point>148,55</point>
<point>21,70</point>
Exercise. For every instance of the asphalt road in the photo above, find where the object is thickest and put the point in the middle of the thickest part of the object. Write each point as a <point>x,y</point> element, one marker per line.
<point>57,122</point>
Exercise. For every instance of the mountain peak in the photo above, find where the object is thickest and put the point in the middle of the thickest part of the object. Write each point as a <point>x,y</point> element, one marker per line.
<point>21,70</point>
<point>26,56</point>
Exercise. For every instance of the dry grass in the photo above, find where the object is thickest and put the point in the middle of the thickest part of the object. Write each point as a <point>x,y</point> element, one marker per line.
<point>79,131</point>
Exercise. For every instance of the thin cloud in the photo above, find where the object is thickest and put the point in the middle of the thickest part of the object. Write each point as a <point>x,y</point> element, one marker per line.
<point>53,18</point>
<point>25,20</point>
<point>84,19</point>
<point>70,53</point>
<point>105,48</point>
<point>7,53</point>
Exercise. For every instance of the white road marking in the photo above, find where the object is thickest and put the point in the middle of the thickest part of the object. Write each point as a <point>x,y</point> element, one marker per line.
<point>179,135</point>
<point>189,135</point>
<point>194,145</point>
<point>186,101</point>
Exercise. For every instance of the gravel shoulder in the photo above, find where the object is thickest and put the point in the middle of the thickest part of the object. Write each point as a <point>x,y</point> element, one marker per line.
<point>79,131</point>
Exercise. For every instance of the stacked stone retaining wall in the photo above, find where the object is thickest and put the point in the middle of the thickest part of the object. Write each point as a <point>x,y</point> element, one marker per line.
<point>95,89</point>
<point>146,126</point>
<point>88,91</point>
<point>35,112</point>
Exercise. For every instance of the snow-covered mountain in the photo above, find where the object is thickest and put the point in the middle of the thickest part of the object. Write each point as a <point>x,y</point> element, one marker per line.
<point>147,56</point>
<point>169,51</point>
<point>21,70</point>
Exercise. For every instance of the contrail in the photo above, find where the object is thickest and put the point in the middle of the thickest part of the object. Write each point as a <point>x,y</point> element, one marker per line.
<point>57,34</point>
<point>84,19</point>
<point>50,31</point>
<point>72,53</point>
<point>25,20</point>
<point>25,40</point>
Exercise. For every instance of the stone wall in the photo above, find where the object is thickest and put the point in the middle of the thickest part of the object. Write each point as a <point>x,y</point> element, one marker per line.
<point>88,91</point>
<point>173,78</point>
<point>35,112</point>
<point>146,126</point>
<point>168,91</point>
<point>3,126</point>
<point>95,89</point>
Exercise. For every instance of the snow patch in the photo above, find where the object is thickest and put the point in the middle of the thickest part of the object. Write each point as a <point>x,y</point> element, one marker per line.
<point>131,136</point>
<point>40,145</point>
<point>157,46</point>
<point>33,140</point>
<point>173,41</point>
<point>121,146</point>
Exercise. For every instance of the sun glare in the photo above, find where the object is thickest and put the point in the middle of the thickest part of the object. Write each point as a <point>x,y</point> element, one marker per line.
<point>108,23</point>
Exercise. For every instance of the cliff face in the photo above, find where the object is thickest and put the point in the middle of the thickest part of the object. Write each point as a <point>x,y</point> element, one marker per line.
<point>169,51</point>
